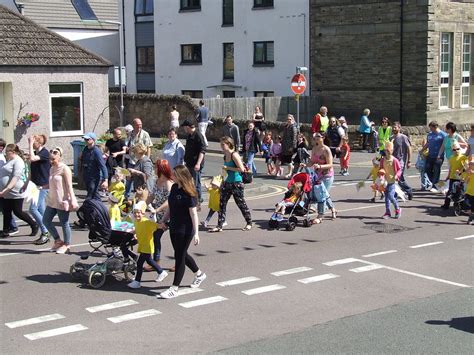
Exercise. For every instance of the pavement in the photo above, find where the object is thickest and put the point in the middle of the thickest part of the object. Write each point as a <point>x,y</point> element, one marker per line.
<point>358,285</point>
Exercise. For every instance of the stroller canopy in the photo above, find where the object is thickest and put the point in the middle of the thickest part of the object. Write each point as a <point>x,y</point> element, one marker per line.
<point>304,179</point>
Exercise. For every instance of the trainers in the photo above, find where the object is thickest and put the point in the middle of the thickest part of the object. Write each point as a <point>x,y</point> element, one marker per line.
<point>434,189</point>
<point>13,231</point>
<point>205,223</point>
<point>410,196</point>
<point>169,293</point>
<point>162,276</point>
<point>134,284</point>
<point>63,249</point>
<point>398,213</point>
<point>224,224</point>
<point>57,244</point>
<point>34,230</point>
<point>386,215</point>
<point>372,199</point>
<point>43,239</point>
<point>198,279</point>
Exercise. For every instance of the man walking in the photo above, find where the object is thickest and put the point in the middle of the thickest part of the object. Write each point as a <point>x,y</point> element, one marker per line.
<point>202,118</point>
<point>231,130</point>
<point>94,171</point>
<point>434,141</point>
<point>194,154</point>
<point>402,151</point>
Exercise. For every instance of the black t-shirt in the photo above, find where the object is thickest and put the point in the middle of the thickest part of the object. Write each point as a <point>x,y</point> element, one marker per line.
<point>115,146</point>
<point>40,169</point>
<point>194,145</point>
<point>179,204</point>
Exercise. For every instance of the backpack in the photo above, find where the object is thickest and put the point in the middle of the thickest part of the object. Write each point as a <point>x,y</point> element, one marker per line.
<point>96,216</point>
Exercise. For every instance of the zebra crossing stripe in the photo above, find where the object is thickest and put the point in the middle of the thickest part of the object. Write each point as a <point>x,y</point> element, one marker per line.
<point>55,332</point>
<point>36,320</point>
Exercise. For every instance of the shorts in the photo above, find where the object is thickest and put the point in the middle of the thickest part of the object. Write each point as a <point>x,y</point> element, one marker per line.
<point>276,158</point>
<point>286,159</point>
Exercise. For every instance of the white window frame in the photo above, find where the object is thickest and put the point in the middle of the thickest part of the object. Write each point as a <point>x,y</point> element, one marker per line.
<point>445,75</point>
<point>81,105</point>
<point>466,75</point>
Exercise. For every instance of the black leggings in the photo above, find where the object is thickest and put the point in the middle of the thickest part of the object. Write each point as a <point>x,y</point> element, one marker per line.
<point>235,189</point>
<point>15,206</point>
<point>180,242</point>
<point>141,260</point>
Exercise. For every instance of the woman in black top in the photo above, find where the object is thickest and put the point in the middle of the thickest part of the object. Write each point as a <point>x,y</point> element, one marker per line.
<point>258,120</point>
<point>183,228</point>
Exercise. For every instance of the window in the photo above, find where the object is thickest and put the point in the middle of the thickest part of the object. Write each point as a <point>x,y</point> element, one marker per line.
<point>263,93</point>
<point>187,5</point>
<point>466,70</point>
<point>66,109</point>
<point>228,61</point>
<point>145,59</point>
<point>263,53</point>
<point>143,7</point>
<point>228,94</point>
<point>227,12</point>
<point>445,70</point>
<point>84,10</point>
<point>262,3</point>
<point>191,54</point>
<point>194,94</point>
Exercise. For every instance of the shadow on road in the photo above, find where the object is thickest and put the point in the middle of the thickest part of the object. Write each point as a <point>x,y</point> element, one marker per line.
<point>466,324</point>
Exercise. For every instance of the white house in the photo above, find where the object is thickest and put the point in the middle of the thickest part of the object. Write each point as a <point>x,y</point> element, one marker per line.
<point>209,48</point>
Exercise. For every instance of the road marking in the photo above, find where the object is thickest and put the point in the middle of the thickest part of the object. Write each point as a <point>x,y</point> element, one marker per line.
<point>367,268</point>
<point>55,332</point>
<point>37,250</point>
<point>238,281</point>
<point>425,245</point>
<point>318,278</point>
<point>133,316</point>
<point>465,237</point>
<point>188,290</point>
<point>291,271</point>
<point>256,291</point>
<point>379,253</point>
<point>36,320</point>
<point>202,302</point>
<point>341,261</point>
<point>108,306</point>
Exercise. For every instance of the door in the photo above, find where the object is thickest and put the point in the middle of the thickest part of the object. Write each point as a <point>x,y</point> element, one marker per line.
<point>6,112</point>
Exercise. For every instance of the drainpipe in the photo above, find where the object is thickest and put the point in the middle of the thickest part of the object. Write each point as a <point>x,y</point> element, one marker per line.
<point>124,40</point>
<point>401,62</point>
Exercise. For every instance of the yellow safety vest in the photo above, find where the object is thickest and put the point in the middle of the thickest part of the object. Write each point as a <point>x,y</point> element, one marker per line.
<point>384,136</point>
<point>324,123</point>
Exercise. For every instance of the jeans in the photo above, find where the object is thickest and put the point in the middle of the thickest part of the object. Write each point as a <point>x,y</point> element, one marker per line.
<point>327,181</point>
<point>403,183</point>
<point>128,182</point>
<point>365,140</point>
<point>180,242</point>
<point>249,156</point>
<point>157,242</point>
<point>141,260</point>
<point>48,216</point>
<point>15,206</point>
<point>390,197</point>
<point>92,187</point>
<point>433,169</point>
<point>202,126</point>
<point>197,180</point>
<point>37,209</point>
<point>425,181</point>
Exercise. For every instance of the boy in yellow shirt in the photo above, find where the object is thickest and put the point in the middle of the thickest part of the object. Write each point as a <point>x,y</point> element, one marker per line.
<point>144,229</point>
<point>456,163</point>
<point>469,179</point>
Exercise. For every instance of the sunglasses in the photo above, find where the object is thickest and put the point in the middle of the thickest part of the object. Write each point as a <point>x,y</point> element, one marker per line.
<point>456,148</point>
<point>87,139</point>
<point>55,152</point>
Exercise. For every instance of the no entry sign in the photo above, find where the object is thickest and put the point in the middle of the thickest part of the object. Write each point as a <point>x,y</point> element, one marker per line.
<point>298,84</point>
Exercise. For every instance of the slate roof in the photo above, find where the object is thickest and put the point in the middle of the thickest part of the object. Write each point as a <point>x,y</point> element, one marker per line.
<point>25,43</point>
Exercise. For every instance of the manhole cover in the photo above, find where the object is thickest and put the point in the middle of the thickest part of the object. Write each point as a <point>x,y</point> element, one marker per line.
<point>386,228</point>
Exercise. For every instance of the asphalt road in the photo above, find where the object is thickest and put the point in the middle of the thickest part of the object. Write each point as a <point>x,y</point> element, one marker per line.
<point>357,285</point>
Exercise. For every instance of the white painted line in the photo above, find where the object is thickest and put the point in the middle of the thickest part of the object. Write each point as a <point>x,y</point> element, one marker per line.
<point>108,306</point>
<point>366,268</point>
<point>341,261</point>
<point>202,302</point>
<point>466,237</point>
<point>188,291</point>
<point>425,245</point>
<point>37,250</point>
<point>55,332</point>
<point>243,280</point>
<point>133,316</point>
<point>318,278</point>
<point>379,253</point>
<point>36,320</point>
<point>256,291</point>
<point>291,271</point>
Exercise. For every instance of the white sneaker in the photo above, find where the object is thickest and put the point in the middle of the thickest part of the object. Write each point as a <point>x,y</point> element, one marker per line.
<point>205,223</point>
<point>197,280</point>
<point>134,284</point>
<point>224,224</point>
<point>169,293</point>
<point>162,276</point>
<point>63,249</point>
<point>433,189</point>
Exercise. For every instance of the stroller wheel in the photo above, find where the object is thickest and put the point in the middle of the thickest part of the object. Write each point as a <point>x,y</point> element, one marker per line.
<point>97,279</point>
<point>76,271</point>
<point>129,271</point>
<point>290,226</point>
<point>273,224</point>
<point>294,220</point>
<point>306,223</point>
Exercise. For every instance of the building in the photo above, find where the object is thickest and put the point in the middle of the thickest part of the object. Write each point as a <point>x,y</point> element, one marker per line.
<point>75,20</point>
<point>408,60</point>
<point>209,48</point>
<point>43,73</point>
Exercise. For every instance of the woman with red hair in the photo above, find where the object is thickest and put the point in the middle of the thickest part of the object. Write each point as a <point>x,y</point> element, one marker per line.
<point>158,198</point>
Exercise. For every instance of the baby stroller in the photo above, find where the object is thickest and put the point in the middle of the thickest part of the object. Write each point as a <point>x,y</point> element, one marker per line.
<point>460,203</point>
<point>117,245</point>
<point>300,207</point>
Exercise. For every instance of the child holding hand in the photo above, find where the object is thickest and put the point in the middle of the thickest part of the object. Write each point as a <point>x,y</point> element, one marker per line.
<point>345,156</point>
<point>393,170</point>
<point>373,174</point>
<point>275,153</point>
<point>214,198</point>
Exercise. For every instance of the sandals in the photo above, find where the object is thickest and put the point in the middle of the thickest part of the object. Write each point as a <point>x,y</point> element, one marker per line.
<point>247,227</point>
<point>215,230</point>
<point>334,215</point>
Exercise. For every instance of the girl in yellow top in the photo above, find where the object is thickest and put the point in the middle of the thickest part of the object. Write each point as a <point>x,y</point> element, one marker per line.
<point>455,168</point>
<point>469,179</point>
<point>373,175</point>
<point>144,229</point>
<point>214,190</point>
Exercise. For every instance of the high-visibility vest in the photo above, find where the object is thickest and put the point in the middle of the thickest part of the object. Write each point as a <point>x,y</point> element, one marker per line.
<point>384,136</point>
<point>324,123</point>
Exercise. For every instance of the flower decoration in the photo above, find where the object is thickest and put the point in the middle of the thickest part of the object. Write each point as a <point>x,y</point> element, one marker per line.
<point>28,119</point>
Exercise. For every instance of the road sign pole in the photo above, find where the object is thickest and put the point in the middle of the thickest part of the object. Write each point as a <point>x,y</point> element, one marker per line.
<point>297,98</point>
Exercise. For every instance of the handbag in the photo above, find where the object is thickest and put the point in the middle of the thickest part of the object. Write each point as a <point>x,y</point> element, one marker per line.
<point>247,176</point>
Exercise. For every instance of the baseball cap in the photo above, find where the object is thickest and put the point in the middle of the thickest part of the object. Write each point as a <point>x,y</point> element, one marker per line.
<point>187,122</point>
<point>90,135</point>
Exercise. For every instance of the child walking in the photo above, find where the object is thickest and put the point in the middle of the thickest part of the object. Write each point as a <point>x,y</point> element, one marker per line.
<point>469,179</point>
<point>373,174</point>
<point>345,156</point>
<point>144,229</point>
<point>214,198</point>
<point>275,153</point>
<point>393,170</point>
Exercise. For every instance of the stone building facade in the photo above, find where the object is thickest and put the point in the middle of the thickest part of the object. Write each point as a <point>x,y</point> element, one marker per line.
<point>387,55</point>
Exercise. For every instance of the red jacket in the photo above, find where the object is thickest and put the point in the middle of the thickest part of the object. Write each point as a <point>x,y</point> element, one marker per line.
<point>316,125</point>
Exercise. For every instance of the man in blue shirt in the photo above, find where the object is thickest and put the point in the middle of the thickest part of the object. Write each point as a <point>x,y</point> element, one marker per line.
<point>434,141</point>
<point>94,171</point>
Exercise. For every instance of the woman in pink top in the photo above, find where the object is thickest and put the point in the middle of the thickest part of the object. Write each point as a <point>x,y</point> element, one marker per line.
<point>60,201</point>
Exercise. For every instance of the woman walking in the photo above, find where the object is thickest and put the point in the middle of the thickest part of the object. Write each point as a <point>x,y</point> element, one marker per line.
<point>60,201</point>
<point>11,183</point>
<point>184,227</point>
<point>142,173</point>
<point>252,146</point>
<point>233,185</point>
<point>173,150</point>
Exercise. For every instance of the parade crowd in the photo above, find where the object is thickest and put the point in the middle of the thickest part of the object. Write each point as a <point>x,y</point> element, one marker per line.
<point>166,195</point>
